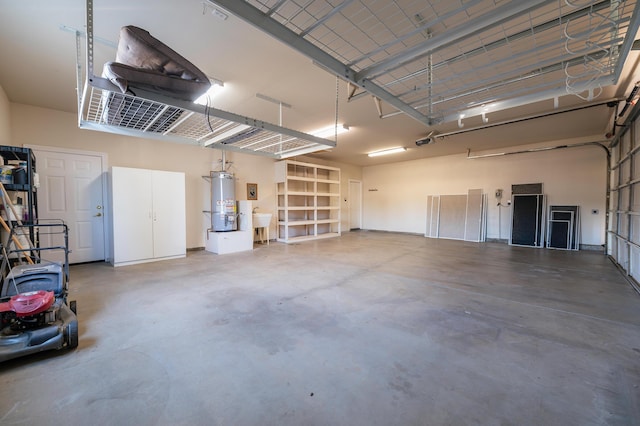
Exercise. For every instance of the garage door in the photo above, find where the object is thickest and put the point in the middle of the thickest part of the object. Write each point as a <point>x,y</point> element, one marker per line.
<point>623,237</point>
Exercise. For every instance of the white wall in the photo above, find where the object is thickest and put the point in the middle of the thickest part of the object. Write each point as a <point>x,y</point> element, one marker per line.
<point>395,194</point>
<point>5,127</point>
<point>39,126</point>
<point>570,176</point>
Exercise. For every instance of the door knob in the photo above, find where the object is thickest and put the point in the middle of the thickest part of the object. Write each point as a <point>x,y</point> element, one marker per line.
<point>98,215</point>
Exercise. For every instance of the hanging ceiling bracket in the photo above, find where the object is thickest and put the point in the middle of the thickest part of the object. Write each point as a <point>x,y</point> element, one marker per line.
<point>351,90</point>
<point>378,104</point>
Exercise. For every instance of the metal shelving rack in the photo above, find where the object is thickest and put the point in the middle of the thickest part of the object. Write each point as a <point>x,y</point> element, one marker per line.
<point>28,189</point>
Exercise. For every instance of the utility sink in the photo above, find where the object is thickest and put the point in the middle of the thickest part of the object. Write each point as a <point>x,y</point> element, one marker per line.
<point>261,220</point>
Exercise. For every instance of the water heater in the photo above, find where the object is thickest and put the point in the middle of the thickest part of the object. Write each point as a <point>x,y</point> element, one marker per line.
<point>224,213</point>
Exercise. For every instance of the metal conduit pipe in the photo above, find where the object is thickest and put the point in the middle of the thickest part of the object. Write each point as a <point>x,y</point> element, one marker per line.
<point>601,144</point>
<point>549,148</point>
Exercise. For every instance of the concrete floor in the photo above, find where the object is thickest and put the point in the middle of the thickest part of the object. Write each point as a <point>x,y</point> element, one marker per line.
<point>367,329</point>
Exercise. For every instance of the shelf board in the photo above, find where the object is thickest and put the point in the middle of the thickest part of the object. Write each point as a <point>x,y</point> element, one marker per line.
<point>18,187</point>
<point>328,235</point>
<point>312,165</point>
<point>325,221</point>
<point>309,237</point>
<point>298,193</point>
<point>309,208</point>
<point>328,194</point>
<point>304,194</point>
<point>297,208</point>
<point>296,222</point>
<point>298,239</point>
<point>301,179</point>
<point>335,182</point>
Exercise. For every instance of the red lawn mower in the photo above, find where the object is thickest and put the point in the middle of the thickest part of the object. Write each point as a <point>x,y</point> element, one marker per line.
<point>35,314</point>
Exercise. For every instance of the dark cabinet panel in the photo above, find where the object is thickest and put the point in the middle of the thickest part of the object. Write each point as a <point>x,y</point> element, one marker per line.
<point>527,227</point>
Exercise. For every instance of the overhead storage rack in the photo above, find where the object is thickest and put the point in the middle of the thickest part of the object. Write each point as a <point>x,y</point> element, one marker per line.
<point>102,107</point>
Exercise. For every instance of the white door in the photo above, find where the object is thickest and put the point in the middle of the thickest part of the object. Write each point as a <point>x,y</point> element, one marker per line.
<point>355,204</point>
<point>132,206</point>
<point>72,189</point>
<point>169,217</point>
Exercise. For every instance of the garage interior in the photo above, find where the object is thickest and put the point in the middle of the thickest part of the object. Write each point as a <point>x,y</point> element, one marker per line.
<point>426,305</point>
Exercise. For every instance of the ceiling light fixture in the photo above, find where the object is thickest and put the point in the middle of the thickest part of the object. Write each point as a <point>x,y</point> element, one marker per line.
<point>387,151</point>
<point>327,132</point>
<point>216,87</point>
<point>217,13</point>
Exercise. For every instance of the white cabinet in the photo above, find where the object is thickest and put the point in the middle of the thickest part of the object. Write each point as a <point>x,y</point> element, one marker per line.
<point>148,215</point>
<point>308,201</point>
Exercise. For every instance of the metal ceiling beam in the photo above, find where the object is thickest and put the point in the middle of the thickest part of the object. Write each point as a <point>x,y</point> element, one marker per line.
<point>562,20</point>
<point>492,19</point>
<point>255,17</point>
<point>603,5</point>
<point>421,29</point>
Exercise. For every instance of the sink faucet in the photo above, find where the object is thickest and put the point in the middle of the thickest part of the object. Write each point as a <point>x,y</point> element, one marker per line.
<point>254,210</point>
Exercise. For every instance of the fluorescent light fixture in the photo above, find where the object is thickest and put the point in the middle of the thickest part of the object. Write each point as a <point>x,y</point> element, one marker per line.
<point>219,14</point>
<point>387,151</point>
<point>216,87</point>
<point>214,10</point>
<point>327,132</point>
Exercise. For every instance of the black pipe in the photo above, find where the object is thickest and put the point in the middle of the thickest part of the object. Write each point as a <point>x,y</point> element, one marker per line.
<point>630,99</point>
